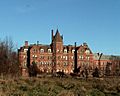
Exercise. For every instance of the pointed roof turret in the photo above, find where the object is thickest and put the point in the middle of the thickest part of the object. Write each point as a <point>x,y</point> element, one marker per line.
<point>57,37</point>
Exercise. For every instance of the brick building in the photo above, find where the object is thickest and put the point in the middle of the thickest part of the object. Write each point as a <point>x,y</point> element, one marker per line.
<point>59,57</point>
<point>113,62</point>
<point>54,57</point>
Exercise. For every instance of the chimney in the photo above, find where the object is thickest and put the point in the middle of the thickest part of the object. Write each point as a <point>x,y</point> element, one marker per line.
<point>37,42</point>
<point>62,37</point>
<point>26,43</point>
<point>52,33</point>
<point>75,44</point>
<point>75,59</point>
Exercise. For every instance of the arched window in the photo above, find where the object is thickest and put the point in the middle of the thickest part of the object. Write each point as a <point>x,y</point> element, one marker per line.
<point>49,50</point>
<point>65,50</point>
<point>73,50</point>
<point>87,51</point>
<point>25,50</point>
<point>41,50</point>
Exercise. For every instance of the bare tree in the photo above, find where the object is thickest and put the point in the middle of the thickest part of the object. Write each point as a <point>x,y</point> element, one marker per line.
<point>8,58</point>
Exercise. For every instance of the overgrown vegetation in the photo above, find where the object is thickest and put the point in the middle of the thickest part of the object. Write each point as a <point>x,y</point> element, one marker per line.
<point>53,86</point>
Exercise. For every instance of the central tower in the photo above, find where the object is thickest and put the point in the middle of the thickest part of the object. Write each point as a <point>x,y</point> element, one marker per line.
<point>57,49</point>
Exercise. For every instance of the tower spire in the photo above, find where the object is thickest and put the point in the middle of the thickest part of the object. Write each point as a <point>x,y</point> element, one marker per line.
<point>57,37</point>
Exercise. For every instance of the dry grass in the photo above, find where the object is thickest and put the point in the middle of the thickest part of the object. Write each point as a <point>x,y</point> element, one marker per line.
<point>53,86</point>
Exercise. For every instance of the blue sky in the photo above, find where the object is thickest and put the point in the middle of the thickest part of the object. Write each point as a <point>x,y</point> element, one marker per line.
<point>96,22</point>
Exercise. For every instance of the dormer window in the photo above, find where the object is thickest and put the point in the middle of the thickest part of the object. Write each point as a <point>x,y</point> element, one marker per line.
<point>73,50</point>
<point>25,50</point>
<point>41,50</point>
<point>65,50</point>
<point>87,51</point>
<point>49,50</point>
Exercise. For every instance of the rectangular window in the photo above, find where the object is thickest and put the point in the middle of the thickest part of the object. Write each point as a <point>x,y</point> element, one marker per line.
<point>34,50</point>
<point>65,50</point>
<point>41,57</point>
<point>66,58</point>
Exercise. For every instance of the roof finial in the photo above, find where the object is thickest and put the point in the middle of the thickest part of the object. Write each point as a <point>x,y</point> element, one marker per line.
<point>57,30</point>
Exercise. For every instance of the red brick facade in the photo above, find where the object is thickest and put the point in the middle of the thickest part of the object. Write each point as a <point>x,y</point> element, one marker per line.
<point>113,61</point>
<point>57,56</point>
<point>54,57</point>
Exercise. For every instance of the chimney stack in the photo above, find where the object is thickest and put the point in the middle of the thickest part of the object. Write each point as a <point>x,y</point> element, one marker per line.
<point>75,59</point>
<point>62,37</point>
<point>75,44</point>
<point>52,33</point>
<point>37,42</point>
<point>26,43</point>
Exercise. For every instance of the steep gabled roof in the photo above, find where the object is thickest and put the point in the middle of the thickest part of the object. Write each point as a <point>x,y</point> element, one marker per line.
<point>57,37</point>
<point>84,47</point>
